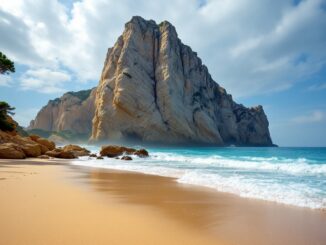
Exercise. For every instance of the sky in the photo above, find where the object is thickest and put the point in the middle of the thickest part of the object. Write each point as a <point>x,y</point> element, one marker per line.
<point>271,53</point>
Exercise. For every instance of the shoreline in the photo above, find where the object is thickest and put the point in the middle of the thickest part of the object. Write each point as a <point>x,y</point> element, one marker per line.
<point>215,216</point>
<point>175,176</point>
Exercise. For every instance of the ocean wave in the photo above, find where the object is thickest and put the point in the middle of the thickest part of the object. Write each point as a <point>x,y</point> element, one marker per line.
<point>294,194</point>
<point>297,166</point>
<point>289,181</point>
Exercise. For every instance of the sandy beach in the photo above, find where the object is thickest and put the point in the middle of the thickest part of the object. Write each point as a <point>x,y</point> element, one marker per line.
<point>58,203</point>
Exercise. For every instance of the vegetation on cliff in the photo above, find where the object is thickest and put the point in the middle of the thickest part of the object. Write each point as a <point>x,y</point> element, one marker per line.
<point>6,65</point>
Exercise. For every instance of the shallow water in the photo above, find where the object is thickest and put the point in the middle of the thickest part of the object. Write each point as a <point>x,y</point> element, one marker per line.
<point>295,176</point>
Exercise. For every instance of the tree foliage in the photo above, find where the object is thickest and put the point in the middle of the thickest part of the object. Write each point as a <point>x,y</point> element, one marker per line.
<point>6,65</point>
<point>5,111</point>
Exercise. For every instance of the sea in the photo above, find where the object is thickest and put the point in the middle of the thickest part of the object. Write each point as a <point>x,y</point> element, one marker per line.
<point>288,175</point>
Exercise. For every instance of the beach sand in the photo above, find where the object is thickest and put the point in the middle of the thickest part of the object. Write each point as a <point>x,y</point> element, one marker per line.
<point>50,203</point>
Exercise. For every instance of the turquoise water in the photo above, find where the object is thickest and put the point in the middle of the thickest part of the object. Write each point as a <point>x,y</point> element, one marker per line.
<point>294,176</point>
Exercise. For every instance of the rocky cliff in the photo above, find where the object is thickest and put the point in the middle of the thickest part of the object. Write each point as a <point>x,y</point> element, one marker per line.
<point>73,112</point>
<point>153,88</point>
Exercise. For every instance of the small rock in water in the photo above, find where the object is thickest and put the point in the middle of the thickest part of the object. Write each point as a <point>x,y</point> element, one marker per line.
<point>99,158</point>
<point>127,158</point>
<point>141,153</point>
<point>115,150</point>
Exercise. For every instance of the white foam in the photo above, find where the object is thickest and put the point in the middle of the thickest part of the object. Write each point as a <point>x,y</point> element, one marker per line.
<point>295,194</point>
<point>293,166</point>
<point>271,179</point>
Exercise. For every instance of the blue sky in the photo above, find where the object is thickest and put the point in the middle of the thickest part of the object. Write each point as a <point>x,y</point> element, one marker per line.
<point>271,53</point>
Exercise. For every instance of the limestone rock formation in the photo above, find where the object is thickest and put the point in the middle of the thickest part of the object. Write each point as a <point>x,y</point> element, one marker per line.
<point>153,88</point>
<point>77,150</point>
<point>12,145</point>
<point>73,111</point>
<point>11,151</point>
<point>116,150</point>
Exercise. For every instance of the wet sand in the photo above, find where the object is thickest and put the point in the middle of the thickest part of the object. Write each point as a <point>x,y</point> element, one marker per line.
<point>66,204</point>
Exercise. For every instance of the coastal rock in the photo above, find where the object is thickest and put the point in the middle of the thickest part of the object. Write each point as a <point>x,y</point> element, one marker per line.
<point>26,144</point>
<point>115,150</point>
<point>153,88</point>
<point>31,150</point>
<point>141,153</point>
<point>67,155</point>
<point>126,158</point>
<point>59,153</point>
<point>47,143</point>
<point>34,137</point>
<point>54,153</point>
<point>77,150</point>
<point>11,151</point>
<point>44,149</point>
<point>73,111</point>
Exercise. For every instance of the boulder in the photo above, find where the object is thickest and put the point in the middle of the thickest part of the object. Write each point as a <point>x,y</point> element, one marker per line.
<point>43,149</point>
<point>59,153</point>
<point>31,150</point>
<point>115,150</point>
<point>34,137</point>
<point>99,158</point>
<point>141,153</point>
<point>49,144</point>
<point>11,151</point>
<point>126,158</point>
<point>54,153</point>
<point>67,155</point>
<point>78,151</point>
<point>92,155</point>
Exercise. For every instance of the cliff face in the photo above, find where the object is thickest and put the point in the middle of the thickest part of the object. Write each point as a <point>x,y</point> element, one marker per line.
<point>73,111</point>
<point>153,88</point>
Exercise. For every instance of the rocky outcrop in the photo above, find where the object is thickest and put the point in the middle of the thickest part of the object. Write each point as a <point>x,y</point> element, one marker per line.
<point>12,145</point>
<point>11,151</point>
<point>77,150</point>
<point>73,112</point>
<point>59,153</point>
<point>153,88</point>
<point>116,150</point>
<point>47,144</point>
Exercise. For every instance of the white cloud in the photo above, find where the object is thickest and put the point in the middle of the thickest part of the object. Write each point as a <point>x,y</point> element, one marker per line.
<point>5,80</point>
<point>44,80</point>
<point>313,117</point>
<point>251,44</point>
